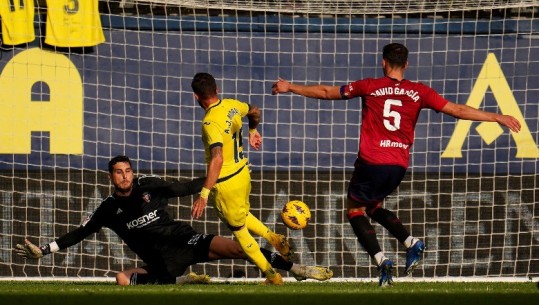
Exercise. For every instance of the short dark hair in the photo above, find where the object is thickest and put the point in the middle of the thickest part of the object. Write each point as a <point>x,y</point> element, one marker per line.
<point>204,85</point>
<point>118,159</point>
<point>395,54</point>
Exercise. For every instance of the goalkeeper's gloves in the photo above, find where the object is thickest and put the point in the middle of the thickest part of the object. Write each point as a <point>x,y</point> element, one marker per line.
<point>29,250</point>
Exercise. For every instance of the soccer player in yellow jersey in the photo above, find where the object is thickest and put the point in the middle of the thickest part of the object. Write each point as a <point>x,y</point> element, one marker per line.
<point>228,178</point>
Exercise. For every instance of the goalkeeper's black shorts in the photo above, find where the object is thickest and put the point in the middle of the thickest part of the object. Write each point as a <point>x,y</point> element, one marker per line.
<point>172,261</point>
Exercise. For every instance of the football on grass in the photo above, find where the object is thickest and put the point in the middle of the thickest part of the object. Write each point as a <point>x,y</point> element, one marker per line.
<point>296,215</point>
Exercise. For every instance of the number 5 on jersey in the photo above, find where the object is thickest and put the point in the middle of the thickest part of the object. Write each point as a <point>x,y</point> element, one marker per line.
<point>389,113</point>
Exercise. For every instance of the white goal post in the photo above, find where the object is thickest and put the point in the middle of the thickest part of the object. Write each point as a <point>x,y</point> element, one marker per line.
<point>470,192</point>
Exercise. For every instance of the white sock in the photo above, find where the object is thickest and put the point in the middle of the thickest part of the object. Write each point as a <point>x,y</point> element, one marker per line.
<point>410,241</point>
<point>379,258</point>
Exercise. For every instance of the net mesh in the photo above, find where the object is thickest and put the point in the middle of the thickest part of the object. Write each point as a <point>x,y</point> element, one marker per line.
<point>470,192</point>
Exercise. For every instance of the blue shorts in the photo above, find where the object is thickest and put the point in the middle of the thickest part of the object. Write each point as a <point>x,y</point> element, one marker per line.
<point>371,184</point>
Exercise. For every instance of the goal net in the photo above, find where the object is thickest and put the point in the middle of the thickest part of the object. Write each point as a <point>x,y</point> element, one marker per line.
<point>470,193</point>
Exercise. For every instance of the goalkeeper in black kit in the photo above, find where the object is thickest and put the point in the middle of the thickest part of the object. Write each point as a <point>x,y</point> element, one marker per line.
<point>136,212</point>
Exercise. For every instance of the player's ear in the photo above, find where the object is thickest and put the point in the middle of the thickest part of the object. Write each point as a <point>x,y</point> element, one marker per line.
<point>406,65</point>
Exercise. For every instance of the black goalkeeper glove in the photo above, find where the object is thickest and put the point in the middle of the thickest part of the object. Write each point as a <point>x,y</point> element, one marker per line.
<point>29,250</point>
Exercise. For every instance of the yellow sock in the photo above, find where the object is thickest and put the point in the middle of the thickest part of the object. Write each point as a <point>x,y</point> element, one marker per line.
<point>252,249</point>
<point>256,226</point>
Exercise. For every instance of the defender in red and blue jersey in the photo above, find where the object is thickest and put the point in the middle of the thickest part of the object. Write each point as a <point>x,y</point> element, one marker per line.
<point>390,109</point>
<point>387,131</point>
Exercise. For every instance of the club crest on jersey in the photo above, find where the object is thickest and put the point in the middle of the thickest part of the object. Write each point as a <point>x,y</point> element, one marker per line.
<point>146,197</point>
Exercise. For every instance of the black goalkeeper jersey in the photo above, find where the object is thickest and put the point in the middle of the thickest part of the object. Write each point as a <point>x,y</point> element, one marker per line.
<point>140,219</point>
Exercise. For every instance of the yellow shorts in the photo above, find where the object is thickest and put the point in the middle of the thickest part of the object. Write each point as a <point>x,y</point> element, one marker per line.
<point>231,198</point>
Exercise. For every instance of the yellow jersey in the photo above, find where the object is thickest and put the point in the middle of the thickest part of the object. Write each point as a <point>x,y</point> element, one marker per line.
<point>222,125</point>
<point>73,23</point>
<point>17,21</point>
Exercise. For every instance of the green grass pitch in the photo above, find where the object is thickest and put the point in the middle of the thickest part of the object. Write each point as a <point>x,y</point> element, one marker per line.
<point>239,293</point>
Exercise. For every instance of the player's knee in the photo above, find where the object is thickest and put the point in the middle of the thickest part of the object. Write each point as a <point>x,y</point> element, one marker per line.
<point>122,279</point>
<point>373,210</point>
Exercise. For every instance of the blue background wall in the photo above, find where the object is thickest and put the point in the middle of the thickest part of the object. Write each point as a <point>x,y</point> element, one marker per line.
<point>138,101</point>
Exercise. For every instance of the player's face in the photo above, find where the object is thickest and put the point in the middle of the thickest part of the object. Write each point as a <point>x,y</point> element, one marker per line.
<point>122,178</point>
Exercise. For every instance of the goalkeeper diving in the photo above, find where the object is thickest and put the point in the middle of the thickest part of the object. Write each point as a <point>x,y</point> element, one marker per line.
<point>136,211</point>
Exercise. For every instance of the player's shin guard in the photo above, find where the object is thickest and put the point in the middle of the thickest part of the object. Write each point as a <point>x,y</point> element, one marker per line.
<point>391,222</point>
<point>366,235</point>
<point>252,249</point>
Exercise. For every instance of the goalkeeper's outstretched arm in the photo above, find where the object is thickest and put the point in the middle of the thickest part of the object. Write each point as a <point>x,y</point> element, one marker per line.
<point>32,251</point>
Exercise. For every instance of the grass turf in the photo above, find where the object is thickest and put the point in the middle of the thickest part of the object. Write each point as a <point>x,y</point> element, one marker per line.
<point>327,293</point>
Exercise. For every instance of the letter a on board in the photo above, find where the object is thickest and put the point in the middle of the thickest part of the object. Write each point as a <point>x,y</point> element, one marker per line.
<point>492,76</point>
<point>62,115</point>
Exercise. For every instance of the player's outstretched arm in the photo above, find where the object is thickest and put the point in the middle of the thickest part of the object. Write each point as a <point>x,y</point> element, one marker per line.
<point>468,113</point>
<point>323,92</point>
<point>29,250</point>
